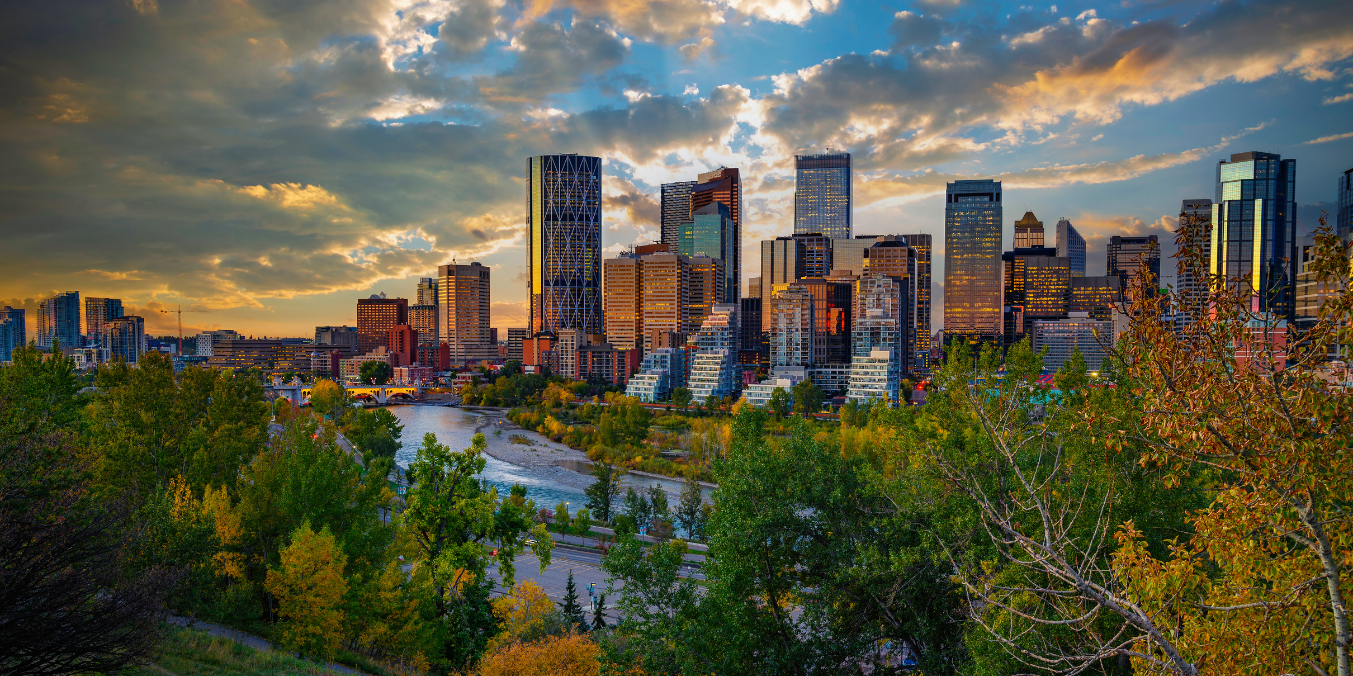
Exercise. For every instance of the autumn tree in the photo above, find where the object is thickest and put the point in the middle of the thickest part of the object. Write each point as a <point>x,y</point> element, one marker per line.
<point>329,400</point>
<point>309,587</point>
<point>568,655</point>
<point>453,516</point>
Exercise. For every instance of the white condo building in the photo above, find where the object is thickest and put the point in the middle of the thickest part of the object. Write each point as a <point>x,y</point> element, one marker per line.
<point>714,370</point>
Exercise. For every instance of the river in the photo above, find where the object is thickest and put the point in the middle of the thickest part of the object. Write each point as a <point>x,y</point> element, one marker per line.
<point>548,486</point>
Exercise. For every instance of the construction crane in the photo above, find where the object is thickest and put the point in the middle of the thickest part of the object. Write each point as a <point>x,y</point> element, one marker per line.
<point>179,311</point>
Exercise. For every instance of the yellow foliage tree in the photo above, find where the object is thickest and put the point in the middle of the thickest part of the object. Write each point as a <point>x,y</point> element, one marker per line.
<point>230,531</point>
<point>569,655</point>
<point>309,589</point>
<point>384,617</point>
<point>524,613</point>
<point>328,398</point>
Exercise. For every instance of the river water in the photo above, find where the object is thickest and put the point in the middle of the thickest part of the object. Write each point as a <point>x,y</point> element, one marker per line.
<point>548,486</point>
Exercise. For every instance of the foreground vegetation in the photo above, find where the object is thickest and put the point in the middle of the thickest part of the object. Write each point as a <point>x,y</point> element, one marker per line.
<point>1185,513</point>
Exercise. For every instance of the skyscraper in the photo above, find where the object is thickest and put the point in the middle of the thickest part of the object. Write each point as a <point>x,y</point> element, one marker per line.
<point>972,260</point>
<point>921,244</point>
<point>706,288</point>
<point>125,338</point>
<point>788,259</point>
<point>822,195</point>
<point>1028,231</point>
<point>623,300</point>
<point>676,210</point>
<point>563,217</point>
<point>1127,256</point>
<point>1343,218</point>
<point>1015,288</point>
<point>791,326</point>
<point>848,254</point>
<point>97,313</point>
<point>1195,213</point>
<point>13,331</point>
<point>59,320</point>
<point>1254,229</point>
<point>724,185</point>
<point>375,317</point>
<point>423,320</point>
<point>463,310</point>
<point>880,312</point>
<point>1071,245</point>
<point>666,288</point>
<point>890,255</point>
<point>427,291</point>
<point>710,233</point>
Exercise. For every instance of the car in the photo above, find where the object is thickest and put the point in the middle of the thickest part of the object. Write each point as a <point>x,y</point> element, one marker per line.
<point>530,542</point>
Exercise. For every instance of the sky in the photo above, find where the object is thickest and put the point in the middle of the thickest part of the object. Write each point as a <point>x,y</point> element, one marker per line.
<point>264,164</point>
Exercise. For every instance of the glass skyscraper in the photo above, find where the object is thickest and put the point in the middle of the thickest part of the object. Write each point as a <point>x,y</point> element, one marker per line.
<point>972,260</point>
<point>563,217</point>
<point>676,210</point>
<point>1343,218</point>
<point>822,195</point>
<point>59,320</point>
<point>710,232</point>
<point>1127,256</point>
<point>1254,229</point>
<point>1071,245</point>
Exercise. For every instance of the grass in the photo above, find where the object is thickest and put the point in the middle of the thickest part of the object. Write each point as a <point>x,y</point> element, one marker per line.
<point>188,652</point>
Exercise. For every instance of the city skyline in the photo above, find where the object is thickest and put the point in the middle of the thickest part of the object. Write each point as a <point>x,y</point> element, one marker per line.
<point>398,147</point>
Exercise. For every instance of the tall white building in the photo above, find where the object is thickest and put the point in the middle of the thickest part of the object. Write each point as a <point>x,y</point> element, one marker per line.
<point>877,339</point>
<point>715,370</point>
<point>207,339</point>
<point>791,327</point>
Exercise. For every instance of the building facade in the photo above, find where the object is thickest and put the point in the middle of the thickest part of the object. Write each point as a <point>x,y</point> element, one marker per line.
<point>207,339</point>
<point>1028,231</point>
<point>1071,245</point>
<point>1195,215</point>
<point>98,311</point>
<point>666,289</point>
<point>514,339</point>
<point>1343,217</point>
<point>972,261</point>
<point>791,326</point>
<point>13,331</point>
<point>714,369</point>
<point>423,319</point>
<point>1096,297</point>
<point>922,245</point>
<point>375,317</point>
<point>402,342</point>
<point>822,199</point>
<point>711,232</point>
<point>676,210</point>
<point>125,338</point>
<point>1129,256</point>
<point>426,292</point>
<point>661,371</point>
<point>463,311</point>
<point>623,300</point>
<point>1254,230</point>
<point>1092,337</point>
<point>342,337</point>
<point>563,217</point>
<point>724,185</point>
<point>59,321</point>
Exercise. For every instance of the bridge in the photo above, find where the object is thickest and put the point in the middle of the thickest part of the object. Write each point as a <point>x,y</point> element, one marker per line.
<point>367,395</point>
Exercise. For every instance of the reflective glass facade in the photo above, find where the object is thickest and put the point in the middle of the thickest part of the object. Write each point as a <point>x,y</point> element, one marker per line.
<point>822,195</point>
<point>1071,245</point>
<point>1127,256</point>
<point>972,260</point>
<point>922,245</point>
<point>59,320</point>
<point>724,185</point>
<point>710,232</point>
<point>676,209</point>
<point>1343,217</point>
<point>563,217</point>
<point>1254,229</point>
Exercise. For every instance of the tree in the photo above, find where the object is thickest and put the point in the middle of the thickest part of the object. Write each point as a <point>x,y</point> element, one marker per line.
<point>688,507</point>
<point>524,614</point>
<point>375,432</point>
<point>572,611</point>
<point>309,586</point>
<point>637,508</point>
<point>452,517</point>
<point>567,655</point>
<point>807,398</point>
<point>561,519</point>
<point>681,397</point>
<point>582,521</point>
<point>599,613</point>
<point>780,404</point>
<point>657,502</point>
<point>329,399</point>
<point>375,373</point>
<point>601,495</point>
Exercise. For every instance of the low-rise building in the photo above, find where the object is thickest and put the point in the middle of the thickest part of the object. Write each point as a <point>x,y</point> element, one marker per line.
<point>350,369</point>
<point>875,377</point>
<point>759,394</point>
<point>661,371</point>
<point>414,375</point>
<point>1062,337</point>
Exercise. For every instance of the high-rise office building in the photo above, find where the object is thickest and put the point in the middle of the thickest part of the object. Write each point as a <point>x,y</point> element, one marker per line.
<point>785,260</point>
<point>710,232</point>
<point>848,254</point>
<point>1047,287</point>
<point>822,195</point>
<point>402,340</point>
<point>1071,245</point>
<point>563,217</point>
<point>706,280</point>
<point>676,210</point>
<point>423,320</point>
<point>922,245</point>
<point>833,301</point>
<point>97,313</point>
<point>666,289</point>
<point>623,301</point>
<point>1028,231</point>
<point>375,317</point>
<point>514,339</point>
<point>1095,296</point>
<point>427,291</point>
<point>1128,256</point>
<point>463,310</point>
<point>1191,284</point>
<point>59,321</point>
<point>125,338</point>
<point>791,326</point>
<point>972,260</point>
<point>1254,230</point>
<point>724,185</point>
<point>1343,217</point>
<point>13,331</point>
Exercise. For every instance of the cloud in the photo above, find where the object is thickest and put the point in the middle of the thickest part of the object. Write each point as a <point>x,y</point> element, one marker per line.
<point>1331,100</point>
<point>1327,139</point>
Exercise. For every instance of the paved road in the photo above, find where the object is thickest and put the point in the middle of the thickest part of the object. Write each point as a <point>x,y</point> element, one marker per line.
<point>585,566</point>
<point>255,642</point>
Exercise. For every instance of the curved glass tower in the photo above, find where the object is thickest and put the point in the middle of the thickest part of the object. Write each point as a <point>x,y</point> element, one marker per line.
<point>563,218</point>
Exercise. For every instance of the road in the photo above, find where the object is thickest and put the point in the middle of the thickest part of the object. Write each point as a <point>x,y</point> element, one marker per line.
<point>584,564</point>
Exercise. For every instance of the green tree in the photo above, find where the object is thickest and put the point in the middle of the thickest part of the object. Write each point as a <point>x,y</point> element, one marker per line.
<point>599,613</point>
<point>657,502</point>
<point>309,586</point>
<point>453,516</point>
<point>807,398</point>
<point>561,517</point>
<point>681,397</point>
<point>375,373</point>
<point>375,432</point>
<point>569,607</point>
<point>601,495</point>
<point>689,507</point>
<point>780,404</point>
<point>330,400</point>
<point>637,508</point>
